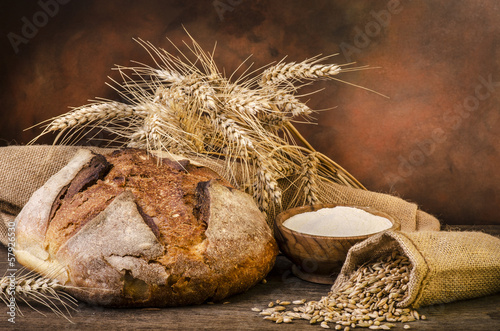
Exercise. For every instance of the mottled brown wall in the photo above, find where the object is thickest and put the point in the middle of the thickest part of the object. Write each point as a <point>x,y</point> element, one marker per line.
<point>436,141</point>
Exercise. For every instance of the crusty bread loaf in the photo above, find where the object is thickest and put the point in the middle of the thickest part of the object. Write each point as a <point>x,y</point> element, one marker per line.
<point>128,230</point>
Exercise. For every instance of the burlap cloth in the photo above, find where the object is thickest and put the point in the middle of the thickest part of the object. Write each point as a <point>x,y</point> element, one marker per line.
<point>447,266</point>
<point>23,169</point>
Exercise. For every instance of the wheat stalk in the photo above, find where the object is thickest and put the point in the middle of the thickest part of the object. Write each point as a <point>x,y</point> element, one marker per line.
<point>308,179</point>
<point>266,190</point>
<point>94,112</point>
<point>247,101</point>
<point>92,115</point>
<point>168,76</point>
<point>33,288</point>
<point>284,73</point>
<point>196,88</point>
<point>290,105</point>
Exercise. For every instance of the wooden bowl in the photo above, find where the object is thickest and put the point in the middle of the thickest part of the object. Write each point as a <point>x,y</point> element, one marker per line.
<point>316,258</point>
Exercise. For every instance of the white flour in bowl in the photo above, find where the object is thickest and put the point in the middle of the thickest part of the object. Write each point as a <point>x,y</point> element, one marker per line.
<point>337,222</point>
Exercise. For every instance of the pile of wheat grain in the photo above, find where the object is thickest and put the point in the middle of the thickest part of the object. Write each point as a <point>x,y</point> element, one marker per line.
<point>369,299</point>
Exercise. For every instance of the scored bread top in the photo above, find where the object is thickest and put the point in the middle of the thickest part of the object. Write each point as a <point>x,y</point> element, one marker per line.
<point>164,192</point>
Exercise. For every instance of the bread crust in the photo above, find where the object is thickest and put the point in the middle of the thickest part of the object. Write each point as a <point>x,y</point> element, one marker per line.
<point>130,231</point>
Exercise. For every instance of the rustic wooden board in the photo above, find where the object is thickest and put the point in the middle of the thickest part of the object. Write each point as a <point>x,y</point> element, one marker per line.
<point>481,313</point>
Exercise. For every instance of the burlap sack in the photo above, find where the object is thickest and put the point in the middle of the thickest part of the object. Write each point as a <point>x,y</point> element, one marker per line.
<point>23,169</point>
<point>447,266</point>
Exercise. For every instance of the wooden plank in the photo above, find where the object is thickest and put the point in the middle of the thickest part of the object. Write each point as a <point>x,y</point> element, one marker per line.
<point>481,313</point>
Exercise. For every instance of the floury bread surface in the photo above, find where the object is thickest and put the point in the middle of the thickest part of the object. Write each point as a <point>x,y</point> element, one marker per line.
<point>127,230</point>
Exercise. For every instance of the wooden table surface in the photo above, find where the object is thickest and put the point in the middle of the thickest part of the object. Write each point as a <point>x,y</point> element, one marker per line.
<point>236,314</point>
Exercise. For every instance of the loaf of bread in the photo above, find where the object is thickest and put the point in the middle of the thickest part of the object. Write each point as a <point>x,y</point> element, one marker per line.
<point>130,230</point>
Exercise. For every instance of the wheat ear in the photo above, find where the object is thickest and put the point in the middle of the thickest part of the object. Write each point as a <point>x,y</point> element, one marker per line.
<point>33,288</point>
<point>308,178</point>
<point>94,112</point>
<point>244,100</point>
<point>266,191</point>
<point>91,115</point>
<point>292,71</point>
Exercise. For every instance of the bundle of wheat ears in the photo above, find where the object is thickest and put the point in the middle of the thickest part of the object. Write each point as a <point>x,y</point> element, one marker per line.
<point>188,107</point>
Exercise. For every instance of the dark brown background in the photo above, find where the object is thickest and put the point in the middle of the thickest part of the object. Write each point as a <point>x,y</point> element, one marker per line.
<point>422,144</point>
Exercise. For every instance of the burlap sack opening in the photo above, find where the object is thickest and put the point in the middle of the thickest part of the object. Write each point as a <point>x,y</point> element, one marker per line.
<point>447,266</point>
<point>23,169</point>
